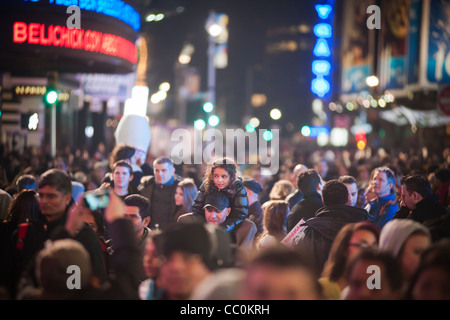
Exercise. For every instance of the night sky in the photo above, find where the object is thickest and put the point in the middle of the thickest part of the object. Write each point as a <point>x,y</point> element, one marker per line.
<point>289,75</point>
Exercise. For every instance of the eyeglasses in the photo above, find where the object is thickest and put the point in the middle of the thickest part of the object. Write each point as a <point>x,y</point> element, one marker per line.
<point>364,245</point>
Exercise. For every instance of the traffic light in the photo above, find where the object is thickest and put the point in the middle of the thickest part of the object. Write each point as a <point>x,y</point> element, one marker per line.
<point>51,94</point>
<point>361,139</point>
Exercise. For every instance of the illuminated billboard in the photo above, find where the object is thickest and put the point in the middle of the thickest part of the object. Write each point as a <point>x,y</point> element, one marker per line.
<point>36,36</point>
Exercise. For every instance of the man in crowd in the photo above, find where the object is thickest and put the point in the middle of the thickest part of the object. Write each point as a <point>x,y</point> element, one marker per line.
<point>418,200</point>
<point>310,183</point>
<point>316,240</point>
<point>255,211</point>
<point>160,190</point>
<point>296,196</point>
<point>383,208</point>
<point>350,183</point>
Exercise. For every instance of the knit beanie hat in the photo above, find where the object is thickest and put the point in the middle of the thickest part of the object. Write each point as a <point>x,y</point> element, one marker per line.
<point>395,233</point>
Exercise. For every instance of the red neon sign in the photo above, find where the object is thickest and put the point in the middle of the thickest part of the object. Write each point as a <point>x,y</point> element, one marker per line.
<point>77,39</point>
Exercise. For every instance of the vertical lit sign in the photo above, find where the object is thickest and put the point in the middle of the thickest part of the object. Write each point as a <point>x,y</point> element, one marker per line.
<point>321,65</point>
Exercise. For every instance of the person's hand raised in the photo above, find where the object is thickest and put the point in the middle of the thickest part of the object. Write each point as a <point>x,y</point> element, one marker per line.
<point>115,208</point>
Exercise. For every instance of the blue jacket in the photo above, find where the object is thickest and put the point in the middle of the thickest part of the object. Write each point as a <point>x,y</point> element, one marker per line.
<point>383,209</point>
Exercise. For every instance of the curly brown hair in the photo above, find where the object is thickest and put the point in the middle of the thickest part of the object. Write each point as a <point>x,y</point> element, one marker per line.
<point>225,163</point>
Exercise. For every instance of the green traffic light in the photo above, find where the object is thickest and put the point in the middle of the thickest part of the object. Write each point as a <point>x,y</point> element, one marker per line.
<point>51,96</point>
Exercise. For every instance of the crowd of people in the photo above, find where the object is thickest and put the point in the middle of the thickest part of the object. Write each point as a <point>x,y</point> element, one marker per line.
<point>330,225</point>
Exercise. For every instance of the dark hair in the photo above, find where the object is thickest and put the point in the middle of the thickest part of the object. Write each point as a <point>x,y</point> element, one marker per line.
<point>24,207</point>
<point>162,160</point>
<point>225,163</point>
<point>123,163</point>
<point>442,174</point>
<point>136,200</point>
<point>26,181</point>
<point>393,273</point>
<point>417,183</point>
<point>56,178</point>
<point>347,179</point>
<point>189,192</point>
<point>337,258</point>
<point>308,180</point>
<point>99,221</point>
<point>334,192</point>
<point>121,152</point>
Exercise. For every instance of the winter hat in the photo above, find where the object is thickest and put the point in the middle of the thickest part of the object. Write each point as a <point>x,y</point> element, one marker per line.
<point>133,130</point>
<point>395,233</point>
<point>253,185</point>
<point>217,199</point>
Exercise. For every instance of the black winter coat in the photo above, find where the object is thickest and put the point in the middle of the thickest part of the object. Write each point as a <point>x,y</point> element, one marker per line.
<point>304,209</point>
<point>428,208</point>
<point>318,237</point>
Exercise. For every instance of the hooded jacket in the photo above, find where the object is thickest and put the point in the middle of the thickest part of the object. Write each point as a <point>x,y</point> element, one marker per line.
<point>318,237</point>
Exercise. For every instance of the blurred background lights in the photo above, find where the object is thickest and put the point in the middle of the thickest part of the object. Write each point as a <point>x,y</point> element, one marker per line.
<point>321,67</point>
<point>323,10</point>
<point>322,139</point>
<point>165,86</point>
<point>33,122</point>
<point>249,127</point>
<point>199,124</point>
<point>208,107</point>
<point>254,122</point>
<point>320,86</point>
<point>213,120</point>
<point>267,135</point>
<point>305,131</point>
<point>322,30</point>
<point>275,114</point>
<point>372,81</point>
<point>339,137</point>
<point>89,131</point>
<point>321,48</point>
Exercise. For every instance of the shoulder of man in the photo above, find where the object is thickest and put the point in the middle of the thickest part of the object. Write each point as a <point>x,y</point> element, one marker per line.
<point>146,181</point>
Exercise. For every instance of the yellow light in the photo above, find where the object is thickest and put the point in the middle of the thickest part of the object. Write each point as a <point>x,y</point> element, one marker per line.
<point>361,145</point>
<point>165,86</point>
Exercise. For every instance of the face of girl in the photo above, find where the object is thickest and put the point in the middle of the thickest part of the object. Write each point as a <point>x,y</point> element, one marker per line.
<point>221,178</point>
<point>179,195</point>
<point>412,251</point>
